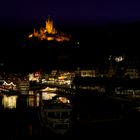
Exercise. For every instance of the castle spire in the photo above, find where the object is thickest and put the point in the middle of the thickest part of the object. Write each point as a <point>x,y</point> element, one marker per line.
<point>49,26</point>
<point>49,33</point>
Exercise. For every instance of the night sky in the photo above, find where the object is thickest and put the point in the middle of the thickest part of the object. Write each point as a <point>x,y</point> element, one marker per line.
<point>116,23</point>
<point>79,12</point>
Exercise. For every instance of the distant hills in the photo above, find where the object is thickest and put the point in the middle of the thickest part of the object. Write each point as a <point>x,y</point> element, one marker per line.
<point>95,44</point>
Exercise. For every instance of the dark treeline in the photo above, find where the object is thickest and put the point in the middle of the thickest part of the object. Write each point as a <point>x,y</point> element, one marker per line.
<point>107,82</point>
<point>96,43</point>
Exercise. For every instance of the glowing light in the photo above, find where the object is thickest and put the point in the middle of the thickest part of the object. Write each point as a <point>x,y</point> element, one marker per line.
<point>30,36</point>
<point>47,32</point>
<point>23,87</point>
<point>49,89</point>
<point>9,102</point>
<point>48,96</point>
<point>119,59</point>
<point>33,101</point>
<point>50,38</point>
<point>31,92</point>
<point>63,100</point>
<point>51,79</point>
<point>8,84</point>
<point>110,57</point>
<point>61,78</point>
<point>49,27</point>
<point>34,77</point>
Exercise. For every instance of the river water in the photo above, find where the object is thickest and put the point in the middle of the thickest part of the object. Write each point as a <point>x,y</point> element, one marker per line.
<point>19,118</point>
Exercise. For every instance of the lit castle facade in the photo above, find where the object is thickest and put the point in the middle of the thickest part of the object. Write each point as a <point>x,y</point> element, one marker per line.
<point>49,33</point>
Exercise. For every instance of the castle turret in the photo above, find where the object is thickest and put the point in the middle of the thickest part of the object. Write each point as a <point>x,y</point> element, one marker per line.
<point>49,33</point>
<point>49,27</point>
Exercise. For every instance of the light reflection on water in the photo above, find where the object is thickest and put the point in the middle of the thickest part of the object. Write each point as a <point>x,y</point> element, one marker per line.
<point>9,101</point>
<point>20,114</point>
<point>48,96</point>
<point>32,99</point>
<point>17,122</point>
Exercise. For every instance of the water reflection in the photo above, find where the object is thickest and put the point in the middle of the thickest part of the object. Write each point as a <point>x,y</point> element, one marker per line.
<point>31,92</point>
<point>50,89</point>
<point>48,96</point>
<point>63,100</point>
<point>33,101</point>
<point>55,113</point>
<point>9,101</point>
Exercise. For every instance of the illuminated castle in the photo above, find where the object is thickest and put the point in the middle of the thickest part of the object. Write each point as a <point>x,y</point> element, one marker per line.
<point>49,33</point>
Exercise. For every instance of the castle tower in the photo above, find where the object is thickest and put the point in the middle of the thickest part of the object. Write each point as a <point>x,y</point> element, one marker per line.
<point>49,27</point>
<point>35,33</point>
<point>49,33</point>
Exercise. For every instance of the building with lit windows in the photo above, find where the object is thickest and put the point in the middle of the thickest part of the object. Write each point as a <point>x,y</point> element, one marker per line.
<point>87,73</point>
<point>132,73</point>
<point>132,69</point>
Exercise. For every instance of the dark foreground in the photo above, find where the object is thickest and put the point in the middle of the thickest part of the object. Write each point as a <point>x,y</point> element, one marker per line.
<point>92,118</point>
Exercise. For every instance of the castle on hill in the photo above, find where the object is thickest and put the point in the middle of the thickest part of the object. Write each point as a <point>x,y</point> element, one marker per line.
<point>49,33</point>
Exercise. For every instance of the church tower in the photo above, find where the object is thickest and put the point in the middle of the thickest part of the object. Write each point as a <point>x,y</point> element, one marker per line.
<point>49,26</point>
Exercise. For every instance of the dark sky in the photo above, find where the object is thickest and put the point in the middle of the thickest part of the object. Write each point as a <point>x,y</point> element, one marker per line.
<point>22,13</point>
<point>19,14</point>
<point>69,11</point>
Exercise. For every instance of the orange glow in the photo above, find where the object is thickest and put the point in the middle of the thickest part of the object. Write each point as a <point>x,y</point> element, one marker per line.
<point>50,38</point>
<point>49,33</point>
<point>61,78</point>
<point>63,100</point>
<point>49,27</point>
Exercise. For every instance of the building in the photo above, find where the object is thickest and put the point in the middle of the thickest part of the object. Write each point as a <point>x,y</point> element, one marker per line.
<point>87,73</point>
<point>23,87</point>
<point>49,33</point>
<point>132,73</point>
